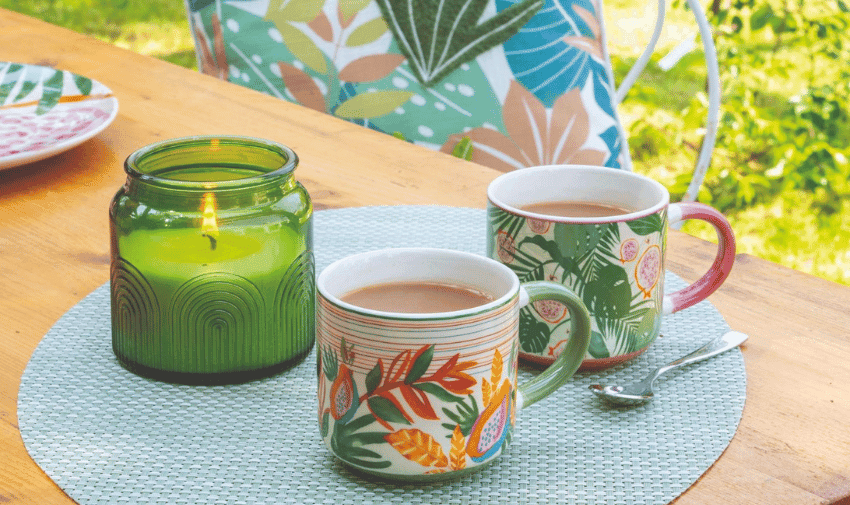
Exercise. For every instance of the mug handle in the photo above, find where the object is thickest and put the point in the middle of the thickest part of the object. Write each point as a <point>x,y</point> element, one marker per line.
<point>573,354</point>
<point>722,265</point>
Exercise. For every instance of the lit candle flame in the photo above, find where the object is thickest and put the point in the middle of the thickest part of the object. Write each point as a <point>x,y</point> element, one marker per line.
<point>209,224</point>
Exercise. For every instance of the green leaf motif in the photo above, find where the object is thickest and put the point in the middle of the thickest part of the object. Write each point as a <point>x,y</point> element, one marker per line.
<point>437,391</point>
<point>647,330</point>
<point>367,32</point>
<point>330,364</point>
<point>610,294</point>
<point>297,11</point>
<point>647,225</point>
<point>386,410</point>
<point>597,347</point>
<point>13,74</point>
<point>574,241</point>
<point>463,149</point>
<point>534,335</point>
<point>303,47</point>
<point>438,36</point>
<point>373,379</point>
<point>348,8</point>
<point>51,93</point>
<point>325,427</point>
<point>465,416</point>
<point>420,366</point>
<point>84,84</point>
<point>348,445</point>
<point>369,105</point>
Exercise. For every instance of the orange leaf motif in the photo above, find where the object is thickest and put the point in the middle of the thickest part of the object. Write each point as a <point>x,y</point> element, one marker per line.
<point>452,376</point>
<point>489,148</point>
<point>321,26</point>
<point>457,454</point>
<point>419,402</point>
<point>525,121</point>
<point>418,446</point>
<point>485,391</point>
<point>534,140</point>
<point>496,371</point>
<point>370,68</point>
<point>302,87</point>
<point>592,45</point>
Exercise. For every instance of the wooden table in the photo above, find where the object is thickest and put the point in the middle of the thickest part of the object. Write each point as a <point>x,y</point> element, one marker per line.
<point>793,444</point>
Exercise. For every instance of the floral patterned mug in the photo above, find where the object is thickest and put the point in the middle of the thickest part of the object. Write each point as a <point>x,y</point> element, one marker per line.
<point>427,396</point>
<point>615,263</point>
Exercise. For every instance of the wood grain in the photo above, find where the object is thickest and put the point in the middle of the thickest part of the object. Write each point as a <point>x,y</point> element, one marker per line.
<point>793,444</point>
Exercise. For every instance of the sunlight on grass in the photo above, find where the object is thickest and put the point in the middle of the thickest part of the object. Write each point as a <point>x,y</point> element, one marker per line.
<point>168,41</point>
<point>787,233</point>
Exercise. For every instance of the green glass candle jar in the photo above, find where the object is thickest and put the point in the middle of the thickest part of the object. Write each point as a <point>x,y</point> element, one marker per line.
<point>212,275</point>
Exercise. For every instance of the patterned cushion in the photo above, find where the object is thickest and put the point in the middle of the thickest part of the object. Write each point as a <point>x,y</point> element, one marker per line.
<point>527,81</point>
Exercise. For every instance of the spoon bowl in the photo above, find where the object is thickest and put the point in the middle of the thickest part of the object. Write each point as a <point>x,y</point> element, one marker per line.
<point>640,392</point>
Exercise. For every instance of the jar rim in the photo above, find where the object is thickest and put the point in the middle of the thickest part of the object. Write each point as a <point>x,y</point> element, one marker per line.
<point>288,161</point>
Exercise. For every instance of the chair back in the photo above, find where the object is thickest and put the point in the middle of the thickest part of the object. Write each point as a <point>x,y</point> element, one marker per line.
<point>528,82</point>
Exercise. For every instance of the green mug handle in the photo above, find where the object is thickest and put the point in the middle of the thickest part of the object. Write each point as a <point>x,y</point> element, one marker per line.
<point>573,354</point>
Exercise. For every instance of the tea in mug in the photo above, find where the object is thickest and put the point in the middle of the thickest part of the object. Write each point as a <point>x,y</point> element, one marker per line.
<point>416,297</point>
<point>575,209</point>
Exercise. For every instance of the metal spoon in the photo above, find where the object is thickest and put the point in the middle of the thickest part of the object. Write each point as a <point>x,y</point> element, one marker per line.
<point>640,392</point>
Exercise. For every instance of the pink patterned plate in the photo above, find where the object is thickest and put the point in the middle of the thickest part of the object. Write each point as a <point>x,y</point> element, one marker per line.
<point>44,111</point>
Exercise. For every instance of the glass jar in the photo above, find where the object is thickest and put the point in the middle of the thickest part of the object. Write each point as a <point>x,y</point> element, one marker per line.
<point>212,274</point>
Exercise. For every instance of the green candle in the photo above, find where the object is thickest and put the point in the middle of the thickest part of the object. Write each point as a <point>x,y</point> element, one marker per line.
<point>212,265</point>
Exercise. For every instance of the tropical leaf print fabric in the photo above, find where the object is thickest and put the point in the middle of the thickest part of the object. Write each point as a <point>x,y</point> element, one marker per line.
<point>526,81</point>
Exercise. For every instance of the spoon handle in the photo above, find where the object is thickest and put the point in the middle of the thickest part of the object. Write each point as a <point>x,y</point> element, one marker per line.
<point>720,344</point>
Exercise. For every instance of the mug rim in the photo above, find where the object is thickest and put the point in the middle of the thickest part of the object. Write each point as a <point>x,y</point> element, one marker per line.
<point>511,293</point>
<point>496,184</point>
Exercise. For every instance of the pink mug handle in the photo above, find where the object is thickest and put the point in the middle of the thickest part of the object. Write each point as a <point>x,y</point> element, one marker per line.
<point>722,265</point>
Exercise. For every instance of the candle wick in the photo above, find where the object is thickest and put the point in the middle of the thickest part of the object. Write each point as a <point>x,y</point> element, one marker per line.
<point>213,242</point>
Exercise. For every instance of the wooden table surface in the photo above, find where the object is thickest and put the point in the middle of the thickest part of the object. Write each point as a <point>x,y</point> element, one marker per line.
<point>793,444</point>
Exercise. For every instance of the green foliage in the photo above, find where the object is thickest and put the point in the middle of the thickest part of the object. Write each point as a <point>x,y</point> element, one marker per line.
<point>784,122</point>
<point>158,28</point>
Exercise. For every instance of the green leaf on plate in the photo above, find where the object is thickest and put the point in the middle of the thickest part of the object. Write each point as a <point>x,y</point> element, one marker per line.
<point>13,75</point>
<point>84,84</point>
<point>51,93</point>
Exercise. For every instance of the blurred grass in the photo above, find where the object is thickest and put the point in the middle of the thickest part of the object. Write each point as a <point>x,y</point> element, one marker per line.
<point>157,28</point>
<point>783,230</point>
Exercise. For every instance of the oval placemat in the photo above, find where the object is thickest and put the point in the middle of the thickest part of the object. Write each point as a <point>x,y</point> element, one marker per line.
<point>105,435</point>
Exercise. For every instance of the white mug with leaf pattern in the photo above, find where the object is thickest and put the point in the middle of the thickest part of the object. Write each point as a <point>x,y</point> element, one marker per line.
<point>428,396</point>
<point>615,264</point>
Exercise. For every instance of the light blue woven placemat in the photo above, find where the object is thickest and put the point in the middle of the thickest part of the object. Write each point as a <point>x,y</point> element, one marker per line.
<point>105,435</point>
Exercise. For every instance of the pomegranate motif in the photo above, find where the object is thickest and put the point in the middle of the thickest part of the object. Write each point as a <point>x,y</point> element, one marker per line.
<point>629,250</point>
<point>648,270</point>
<point>490,429</point>
<point>538,226</point>
<point>550,310</point>
<point>344,399</point>
<point>505,247</point>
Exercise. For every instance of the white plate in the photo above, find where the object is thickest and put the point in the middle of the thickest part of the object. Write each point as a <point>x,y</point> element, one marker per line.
<point>44,111</point>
